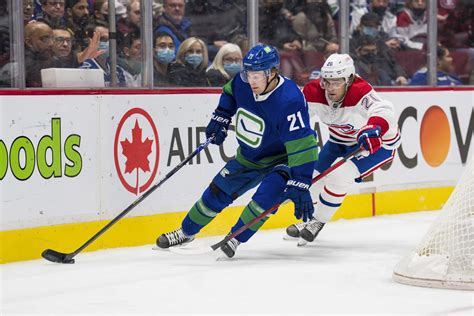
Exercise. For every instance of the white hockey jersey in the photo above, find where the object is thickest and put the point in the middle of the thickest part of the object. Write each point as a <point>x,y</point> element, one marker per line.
<point>360,106</point>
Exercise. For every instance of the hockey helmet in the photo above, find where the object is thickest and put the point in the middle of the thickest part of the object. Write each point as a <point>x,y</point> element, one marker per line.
<point>338,66</point>
<point>261,57</point>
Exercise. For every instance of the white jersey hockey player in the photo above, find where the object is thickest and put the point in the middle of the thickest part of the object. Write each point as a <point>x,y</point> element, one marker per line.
<point>356,117</point>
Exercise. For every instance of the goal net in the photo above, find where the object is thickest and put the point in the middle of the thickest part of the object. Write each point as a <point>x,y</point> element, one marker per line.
<point>445,256</point>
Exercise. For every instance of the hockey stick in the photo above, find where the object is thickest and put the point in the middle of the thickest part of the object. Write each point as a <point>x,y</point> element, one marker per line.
<point>273,208</point>
<point>56,256</point>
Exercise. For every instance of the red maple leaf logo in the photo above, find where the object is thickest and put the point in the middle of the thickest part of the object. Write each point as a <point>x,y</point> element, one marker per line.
<point>137,152</point>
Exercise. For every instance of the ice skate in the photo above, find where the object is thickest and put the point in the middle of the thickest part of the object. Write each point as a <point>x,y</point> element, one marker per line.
<point>229,247</point>
<point>174,238</point>
<point>311,230</point>
<point>294,231</point>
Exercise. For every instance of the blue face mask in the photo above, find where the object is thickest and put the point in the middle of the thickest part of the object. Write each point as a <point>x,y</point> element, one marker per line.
<point>165,56</point>
<point>104,46</point>
<point>370,31</point>
<point>194,60</point>
<point>232,68</point>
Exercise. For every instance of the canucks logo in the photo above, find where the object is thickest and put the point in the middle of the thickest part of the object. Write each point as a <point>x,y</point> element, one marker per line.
<point>249,128</point>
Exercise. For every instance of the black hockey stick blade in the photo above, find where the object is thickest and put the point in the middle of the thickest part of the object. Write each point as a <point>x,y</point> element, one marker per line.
<point>58,257</point>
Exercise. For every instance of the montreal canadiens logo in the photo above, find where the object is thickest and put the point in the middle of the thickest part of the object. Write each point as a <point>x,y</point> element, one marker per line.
<point>136,150</point>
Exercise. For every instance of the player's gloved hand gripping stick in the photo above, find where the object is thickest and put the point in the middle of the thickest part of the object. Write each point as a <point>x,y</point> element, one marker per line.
<point>273,208</point>
<point>56,256</point>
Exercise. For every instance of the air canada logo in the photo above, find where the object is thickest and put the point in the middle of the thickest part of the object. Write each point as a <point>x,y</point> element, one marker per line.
<point>136,150</point>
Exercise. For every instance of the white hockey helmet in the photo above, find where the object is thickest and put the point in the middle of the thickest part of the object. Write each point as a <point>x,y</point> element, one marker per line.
<point>338,66</point>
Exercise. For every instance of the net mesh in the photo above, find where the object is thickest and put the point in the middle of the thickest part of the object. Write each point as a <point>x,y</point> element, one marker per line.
<point>445,256</point>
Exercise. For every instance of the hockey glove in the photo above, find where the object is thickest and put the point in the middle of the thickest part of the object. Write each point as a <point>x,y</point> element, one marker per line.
<point>298,192</point>
<point>370,137</point>
<point>218,127</point>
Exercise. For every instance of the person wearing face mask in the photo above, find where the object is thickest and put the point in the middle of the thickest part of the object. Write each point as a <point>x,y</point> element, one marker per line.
<point>315,25</point>
<point>388,20</point>
<point>189,70</point>
<point>131,58</point>
<point>370,27</point>
<point>368,64</point>
<point>226,64</point>
<point>97,54</point>
<point>412,24</point>
<point>164,55</point>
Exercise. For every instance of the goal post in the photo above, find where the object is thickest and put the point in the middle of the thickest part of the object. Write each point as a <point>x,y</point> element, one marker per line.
<point>445,256</point>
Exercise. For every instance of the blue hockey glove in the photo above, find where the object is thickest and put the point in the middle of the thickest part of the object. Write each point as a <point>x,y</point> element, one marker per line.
<point>218,127</point>
<point>298,192</point>
<point>370,137</point>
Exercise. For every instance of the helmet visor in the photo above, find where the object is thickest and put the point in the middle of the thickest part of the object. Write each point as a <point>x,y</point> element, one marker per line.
<point>254,76</point>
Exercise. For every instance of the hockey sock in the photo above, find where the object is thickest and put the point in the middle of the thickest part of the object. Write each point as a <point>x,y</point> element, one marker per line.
<point>198,217</point>
<point>329,202</point>
<point>251,211</point>
<point>204,210</point>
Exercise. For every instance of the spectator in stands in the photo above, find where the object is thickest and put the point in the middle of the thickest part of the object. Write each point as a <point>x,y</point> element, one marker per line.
<point>27,11</point>
<point>412,24</point>
<point>330,49</point>
<point>98,17</point>
<point>369,65</point>
<point>64,54</point>
<point>189,70</point>
<point>370,26</point>
<point>52,13</point>
<point>132,21</point>
<point>131,60</point>
<point>101,12</point>
<point>444,74</point>
<point>242,41</point>
<point>77,15</point>
<point>164,56</point>
<point>174,22</point>
<point>62,49</point>
<point>100,39</point>
<point>458,29</point>
<point>388,20</point>
<point>226,65</point>
<point>275,25</point>
<point>315,25</point>
<point>38,51</point>
<point>216,22</point>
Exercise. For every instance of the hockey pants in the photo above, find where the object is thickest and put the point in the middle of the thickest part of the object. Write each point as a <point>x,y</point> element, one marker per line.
<point>231,182</point>
<point>331,191</point>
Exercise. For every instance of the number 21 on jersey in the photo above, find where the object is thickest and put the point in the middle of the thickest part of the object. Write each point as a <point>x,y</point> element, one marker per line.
<point>296,121</point>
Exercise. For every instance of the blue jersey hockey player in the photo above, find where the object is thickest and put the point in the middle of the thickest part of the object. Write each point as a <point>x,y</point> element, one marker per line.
<point>277,150</point>
<point>356,117</point>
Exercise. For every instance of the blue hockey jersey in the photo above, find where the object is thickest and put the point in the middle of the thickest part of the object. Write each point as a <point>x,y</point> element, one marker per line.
<point>271,128</point>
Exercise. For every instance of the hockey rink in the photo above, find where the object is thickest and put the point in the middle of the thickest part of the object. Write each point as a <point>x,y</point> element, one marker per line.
<point>347,270</point>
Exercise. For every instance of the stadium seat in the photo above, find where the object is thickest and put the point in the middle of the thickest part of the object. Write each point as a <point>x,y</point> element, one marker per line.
<point>461,65</point>
<point>410,60</point>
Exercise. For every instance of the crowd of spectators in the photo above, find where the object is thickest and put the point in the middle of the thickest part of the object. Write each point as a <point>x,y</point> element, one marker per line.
<point>201,42</point>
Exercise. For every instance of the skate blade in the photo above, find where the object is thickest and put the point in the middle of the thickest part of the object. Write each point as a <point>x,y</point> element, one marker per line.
<point>223,257</point>
<point>302,242</point>
<point>186,250</point>
<point>289,238</point>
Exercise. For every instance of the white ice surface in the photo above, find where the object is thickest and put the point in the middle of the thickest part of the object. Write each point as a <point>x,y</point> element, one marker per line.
<point>347,270</point>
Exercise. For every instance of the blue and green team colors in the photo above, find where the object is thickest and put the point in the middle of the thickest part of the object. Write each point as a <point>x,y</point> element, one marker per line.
<point>273,128</point>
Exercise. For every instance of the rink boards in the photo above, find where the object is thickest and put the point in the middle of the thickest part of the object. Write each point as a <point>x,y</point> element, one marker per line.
<point>70,161</point>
